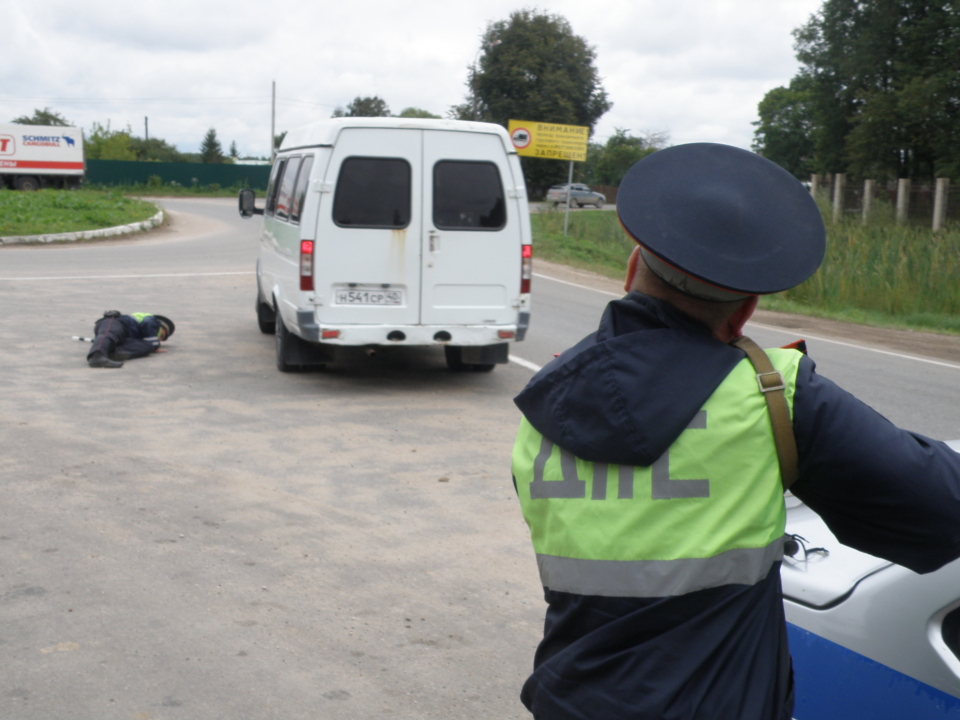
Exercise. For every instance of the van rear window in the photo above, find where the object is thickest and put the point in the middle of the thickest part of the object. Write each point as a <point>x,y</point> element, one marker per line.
<point>468,196</point>
<point>373,193</point>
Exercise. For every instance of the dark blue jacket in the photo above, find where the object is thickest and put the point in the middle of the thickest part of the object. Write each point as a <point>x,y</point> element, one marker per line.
<point>622,396</point>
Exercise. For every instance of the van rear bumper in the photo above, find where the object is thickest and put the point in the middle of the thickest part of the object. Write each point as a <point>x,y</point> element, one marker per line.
<point>358,335</point>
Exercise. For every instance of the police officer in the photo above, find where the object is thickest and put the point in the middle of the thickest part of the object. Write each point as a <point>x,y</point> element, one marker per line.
<point>651,475</point>
<point>124,337</point>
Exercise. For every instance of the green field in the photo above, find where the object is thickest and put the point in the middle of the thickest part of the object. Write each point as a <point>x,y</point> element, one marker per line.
<point>881,274</point>
<point>57,211</point>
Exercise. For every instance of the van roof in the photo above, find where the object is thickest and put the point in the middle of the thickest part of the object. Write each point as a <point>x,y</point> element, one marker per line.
<point>325,132</point>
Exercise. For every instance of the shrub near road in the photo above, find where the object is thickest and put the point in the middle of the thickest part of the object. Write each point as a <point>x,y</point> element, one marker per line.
<point>58,211</point>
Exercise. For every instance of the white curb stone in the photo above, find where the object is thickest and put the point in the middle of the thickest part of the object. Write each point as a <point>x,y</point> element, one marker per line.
<point>86,234</point>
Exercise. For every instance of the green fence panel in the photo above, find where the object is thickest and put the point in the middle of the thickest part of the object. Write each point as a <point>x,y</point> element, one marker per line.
<point>124,172</point>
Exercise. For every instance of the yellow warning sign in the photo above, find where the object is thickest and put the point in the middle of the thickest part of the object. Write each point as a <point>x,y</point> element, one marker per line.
<point>549,140</point>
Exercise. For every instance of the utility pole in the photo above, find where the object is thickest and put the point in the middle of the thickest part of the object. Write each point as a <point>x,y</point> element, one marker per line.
<point>146,128</point>
<point>273,122</point>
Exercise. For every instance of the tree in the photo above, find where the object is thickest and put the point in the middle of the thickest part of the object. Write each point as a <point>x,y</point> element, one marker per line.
<point>278,140</point>
<point>155,150</point>
<point>364,107</point>
<point>234,153</point>
<point>412,112</point>
<point>210,150</point>
<point>533,67</point>
<point>883,87</point>
<point>784,132</point>
<point>620,153</point>
<point>102,143</point>
<point>43,117</point>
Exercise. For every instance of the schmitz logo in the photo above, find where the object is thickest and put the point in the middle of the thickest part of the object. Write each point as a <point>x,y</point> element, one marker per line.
<point>42,140</point>
<point>8,145</point>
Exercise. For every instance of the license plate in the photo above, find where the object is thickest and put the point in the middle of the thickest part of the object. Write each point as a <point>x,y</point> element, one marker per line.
<point>369,297</point>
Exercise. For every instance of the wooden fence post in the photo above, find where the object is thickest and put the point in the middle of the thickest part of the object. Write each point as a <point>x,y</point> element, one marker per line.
<point>839,180</point>
<point>940,203</point>
<point>868,190</point>
<point>814,185</point>
<point>903,200</point>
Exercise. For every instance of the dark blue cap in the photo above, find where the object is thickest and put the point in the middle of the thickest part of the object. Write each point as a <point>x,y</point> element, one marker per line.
<point>725,216</point>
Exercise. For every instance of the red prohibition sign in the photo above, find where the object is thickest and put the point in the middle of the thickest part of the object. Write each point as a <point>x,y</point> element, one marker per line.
<point>521,137</point>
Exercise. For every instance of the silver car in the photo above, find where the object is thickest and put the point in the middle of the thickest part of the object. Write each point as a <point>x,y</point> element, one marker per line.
<point>869,639</point>
<point>580,195</point>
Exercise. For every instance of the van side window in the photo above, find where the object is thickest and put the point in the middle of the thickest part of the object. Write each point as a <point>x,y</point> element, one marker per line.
<point>468,196</point>
<point>373,193</point>
<point>287,184</point>
<point>303,180</point>
<point>272,187</point>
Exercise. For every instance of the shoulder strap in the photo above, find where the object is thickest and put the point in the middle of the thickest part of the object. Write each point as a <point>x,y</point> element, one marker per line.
<point>772,386</point>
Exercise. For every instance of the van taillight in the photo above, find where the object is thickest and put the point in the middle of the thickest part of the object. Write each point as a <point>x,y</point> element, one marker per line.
<point>526,268</point>
<point>306,264</point>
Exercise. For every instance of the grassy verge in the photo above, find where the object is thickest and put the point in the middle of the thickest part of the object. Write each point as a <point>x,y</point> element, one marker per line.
<point>881,274</point>
<point>595,240</point>
<point>57,211</point>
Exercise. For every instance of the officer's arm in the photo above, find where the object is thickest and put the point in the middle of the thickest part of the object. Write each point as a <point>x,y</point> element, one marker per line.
<point>880,489</point>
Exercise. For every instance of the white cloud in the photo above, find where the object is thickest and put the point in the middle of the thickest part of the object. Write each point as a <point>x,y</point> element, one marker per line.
<point>694,69</point>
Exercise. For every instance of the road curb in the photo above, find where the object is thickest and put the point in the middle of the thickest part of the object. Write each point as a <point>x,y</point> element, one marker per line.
<point>148,224</point>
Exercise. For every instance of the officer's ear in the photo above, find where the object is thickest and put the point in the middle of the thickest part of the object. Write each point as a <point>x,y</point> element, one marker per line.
<point>734,324</point>
<point>631,268</point>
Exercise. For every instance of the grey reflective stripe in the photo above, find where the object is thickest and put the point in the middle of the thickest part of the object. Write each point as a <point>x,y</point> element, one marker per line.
<point>625,478</point>
<point>658,578</point>
<point>600,471</point>
<point>568,488</point>
<point>664,488</point>
<point>624,482</point>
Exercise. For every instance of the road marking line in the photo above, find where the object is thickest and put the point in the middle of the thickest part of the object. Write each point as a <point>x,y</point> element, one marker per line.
<point>585,287</point>
<point>524,363</point>
<point>794,333</point>
<point>119,277</point>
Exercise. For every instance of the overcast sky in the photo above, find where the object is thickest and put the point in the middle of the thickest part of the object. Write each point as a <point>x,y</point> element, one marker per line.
<point>694,69</point>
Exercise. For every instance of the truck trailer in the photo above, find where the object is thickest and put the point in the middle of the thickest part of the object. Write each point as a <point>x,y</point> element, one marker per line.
<point>36,156</point>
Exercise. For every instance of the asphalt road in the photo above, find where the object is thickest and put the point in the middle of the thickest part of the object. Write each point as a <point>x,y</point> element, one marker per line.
<point>200,536</point>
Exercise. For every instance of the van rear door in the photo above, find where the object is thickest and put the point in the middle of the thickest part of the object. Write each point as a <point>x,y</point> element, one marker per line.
<point>472,242</point>
<point>367,255</point>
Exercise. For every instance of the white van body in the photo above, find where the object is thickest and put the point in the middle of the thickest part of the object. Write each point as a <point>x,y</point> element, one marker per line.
<point>419,231</point>
<point>35,156</point>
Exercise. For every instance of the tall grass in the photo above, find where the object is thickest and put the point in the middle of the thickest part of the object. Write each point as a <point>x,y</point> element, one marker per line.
<point>595,240</point>
<point>884,273</point>
<point>878,274</point>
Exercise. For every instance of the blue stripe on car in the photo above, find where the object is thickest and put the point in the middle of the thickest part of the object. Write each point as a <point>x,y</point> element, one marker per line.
<point>834,683</point>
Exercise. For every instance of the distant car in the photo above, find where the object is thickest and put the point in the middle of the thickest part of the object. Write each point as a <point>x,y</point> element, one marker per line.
<point>869,638</point>
<point>581,195</point>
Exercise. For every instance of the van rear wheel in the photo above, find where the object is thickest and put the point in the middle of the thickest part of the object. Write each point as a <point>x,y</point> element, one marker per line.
<point>285,341</point>
<point>454,357</point>
<point>266,317</point>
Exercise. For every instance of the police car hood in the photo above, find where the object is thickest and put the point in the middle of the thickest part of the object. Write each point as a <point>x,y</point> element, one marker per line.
<point>623,394</point>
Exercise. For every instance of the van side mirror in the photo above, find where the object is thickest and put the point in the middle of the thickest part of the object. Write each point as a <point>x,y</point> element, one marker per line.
<point>248,206</point>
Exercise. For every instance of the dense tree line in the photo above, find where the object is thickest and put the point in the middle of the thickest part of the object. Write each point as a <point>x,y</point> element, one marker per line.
<point>101,142</point>
<point>877,95</point>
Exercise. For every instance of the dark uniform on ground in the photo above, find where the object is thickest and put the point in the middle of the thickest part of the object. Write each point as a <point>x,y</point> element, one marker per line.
<point>647,470</point>
<point>124,337</point>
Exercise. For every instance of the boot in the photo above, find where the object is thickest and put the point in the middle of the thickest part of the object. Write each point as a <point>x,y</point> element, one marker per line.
<point>99,360</point>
